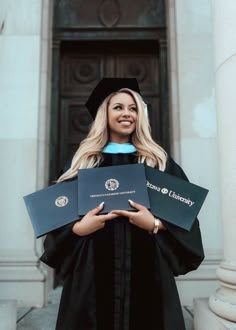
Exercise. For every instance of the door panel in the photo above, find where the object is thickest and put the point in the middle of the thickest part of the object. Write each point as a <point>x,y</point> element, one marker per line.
<point>74,127</point>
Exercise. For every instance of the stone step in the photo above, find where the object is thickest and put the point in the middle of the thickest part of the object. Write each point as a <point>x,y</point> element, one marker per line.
<point>7,314</point>
<point>45,318</point>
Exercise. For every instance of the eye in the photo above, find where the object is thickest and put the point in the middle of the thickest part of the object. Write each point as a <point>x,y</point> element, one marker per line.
<point>117,107</point>
<point>133,109</point>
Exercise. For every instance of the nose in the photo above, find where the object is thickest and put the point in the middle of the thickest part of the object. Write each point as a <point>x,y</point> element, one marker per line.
<point>126,112</point>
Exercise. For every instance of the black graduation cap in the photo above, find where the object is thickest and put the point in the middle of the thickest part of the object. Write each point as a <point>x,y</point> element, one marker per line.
<point>107,86</point>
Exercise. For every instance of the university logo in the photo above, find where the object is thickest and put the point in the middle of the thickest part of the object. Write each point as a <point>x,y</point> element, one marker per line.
<point>112,184</point>
<point>164,191</point>
<point>61,201</point>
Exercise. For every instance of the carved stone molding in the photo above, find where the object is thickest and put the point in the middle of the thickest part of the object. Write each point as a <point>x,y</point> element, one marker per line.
<point>109,12</point>
<point>223,301</point>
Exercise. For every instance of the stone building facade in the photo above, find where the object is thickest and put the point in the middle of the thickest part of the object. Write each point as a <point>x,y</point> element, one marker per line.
<point>201,50</point>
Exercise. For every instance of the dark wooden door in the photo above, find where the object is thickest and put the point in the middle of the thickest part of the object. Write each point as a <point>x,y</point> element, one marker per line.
<point>83,65</point>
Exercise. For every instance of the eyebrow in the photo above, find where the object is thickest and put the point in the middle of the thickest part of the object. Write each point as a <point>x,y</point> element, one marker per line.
<point>122,104</point>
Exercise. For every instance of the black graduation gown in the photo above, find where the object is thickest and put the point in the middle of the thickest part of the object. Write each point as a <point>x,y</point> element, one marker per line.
<point>121,277</point>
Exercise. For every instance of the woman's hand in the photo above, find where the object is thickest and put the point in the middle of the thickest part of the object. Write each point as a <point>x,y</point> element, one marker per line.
<point>92,222</point>
<point>142,219</point>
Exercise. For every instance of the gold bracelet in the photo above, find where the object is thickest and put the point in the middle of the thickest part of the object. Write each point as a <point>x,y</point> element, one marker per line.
<point>157,224</point>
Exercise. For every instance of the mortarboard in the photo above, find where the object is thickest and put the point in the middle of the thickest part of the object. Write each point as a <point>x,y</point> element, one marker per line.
<point>107,86</point>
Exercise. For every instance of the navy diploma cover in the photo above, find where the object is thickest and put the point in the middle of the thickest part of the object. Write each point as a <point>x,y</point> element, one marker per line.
<point>170,198</point>
<point>53,207</point>
<point>173,199</point>
<point>113,185</point>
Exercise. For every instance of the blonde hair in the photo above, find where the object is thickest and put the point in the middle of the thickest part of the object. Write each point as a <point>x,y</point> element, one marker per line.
<point>89,153</point>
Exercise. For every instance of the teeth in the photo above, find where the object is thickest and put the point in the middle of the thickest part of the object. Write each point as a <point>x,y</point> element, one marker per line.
<point>125,123</point>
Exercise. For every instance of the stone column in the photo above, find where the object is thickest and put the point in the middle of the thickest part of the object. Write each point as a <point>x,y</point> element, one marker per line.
<point>223,301</point>
<point>24,140</point>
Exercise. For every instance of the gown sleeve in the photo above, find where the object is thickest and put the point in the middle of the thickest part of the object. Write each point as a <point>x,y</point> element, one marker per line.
<point>63,250</point>
<point>182,249</point>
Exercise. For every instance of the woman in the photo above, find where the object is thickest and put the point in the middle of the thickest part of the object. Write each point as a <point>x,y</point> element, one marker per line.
<point>119,268</point>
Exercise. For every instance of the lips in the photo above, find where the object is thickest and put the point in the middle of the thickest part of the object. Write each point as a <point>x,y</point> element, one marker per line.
<point>125,122</point>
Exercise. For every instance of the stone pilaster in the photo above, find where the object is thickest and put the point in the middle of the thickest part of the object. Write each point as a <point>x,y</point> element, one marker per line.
<point>223,301</point>
<point>24,86</point>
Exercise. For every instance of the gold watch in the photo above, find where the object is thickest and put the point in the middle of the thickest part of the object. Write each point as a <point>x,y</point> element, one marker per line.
<point>157,224</point>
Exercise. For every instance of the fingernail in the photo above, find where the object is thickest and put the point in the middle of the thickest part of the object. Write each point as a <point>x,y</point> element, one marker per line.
<point>130,201</point>
<point>101,204</point>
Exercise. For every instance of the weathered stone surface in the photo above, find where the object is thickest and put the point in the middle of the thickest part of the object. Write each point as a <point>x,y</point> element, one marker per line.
<point>7,314</point>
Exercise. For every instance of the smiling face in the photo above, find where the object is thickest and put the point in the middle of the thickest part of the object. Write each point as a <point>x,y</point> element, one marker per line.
<point>122,117</point>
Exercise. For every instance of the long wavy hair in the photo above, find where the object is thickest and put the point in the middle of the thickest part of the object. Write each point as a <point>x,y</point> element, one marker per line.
<point>89,153</point>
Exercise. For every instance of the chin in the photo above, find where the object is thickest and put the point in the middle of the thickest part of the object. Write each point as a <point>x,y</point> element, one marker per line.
<point>128,135</point>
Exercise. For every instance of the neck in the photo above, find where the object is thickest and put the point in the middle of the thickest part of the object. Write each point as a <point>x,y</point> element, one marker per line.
<point>119,140</point>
